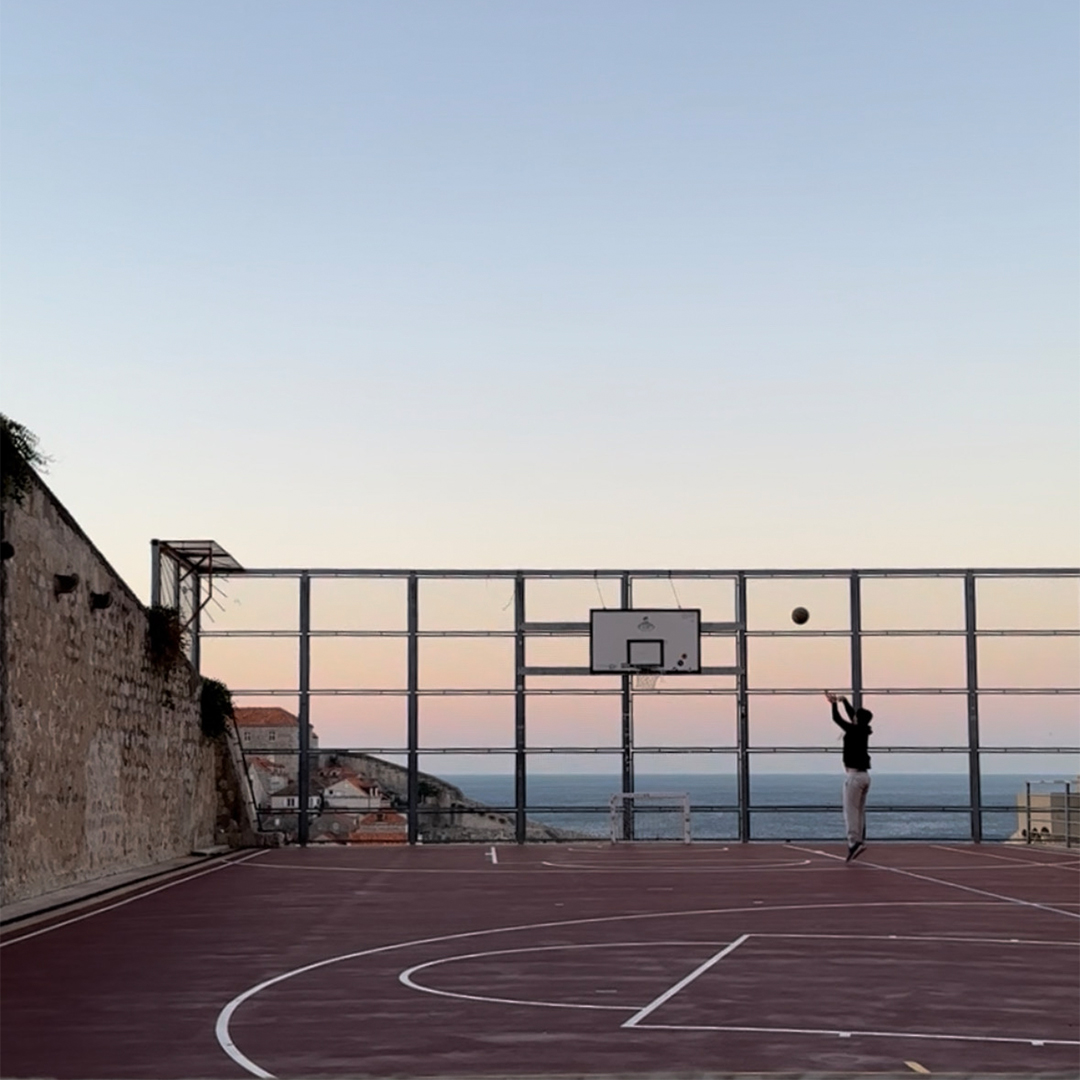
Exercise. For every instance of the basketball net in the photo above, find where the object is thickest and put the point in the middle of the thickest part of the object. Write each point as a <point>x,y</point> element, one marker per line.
<point>646,680</point>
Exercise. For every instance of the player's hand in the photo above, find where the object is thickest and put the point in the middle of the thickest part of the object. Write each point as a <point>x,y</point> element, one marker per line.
<point>831,696</point>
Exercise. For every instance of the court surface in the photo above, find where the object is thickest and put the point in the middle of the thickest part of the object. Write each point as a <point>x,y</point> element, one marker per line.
<point>556,960</point>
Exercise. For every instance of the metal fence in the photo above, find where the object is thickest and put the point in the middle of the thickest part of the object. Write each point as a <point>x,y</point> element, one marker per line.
<point>189,574</point>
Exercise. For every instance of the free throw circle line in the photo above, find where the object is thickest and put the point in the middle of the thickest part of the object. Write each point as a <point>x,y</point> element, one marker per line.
<point>406,977</point>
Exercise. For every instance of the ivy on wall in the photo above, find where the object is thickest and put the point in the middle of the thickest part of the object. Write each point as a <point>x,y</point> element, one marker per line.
<point>164,637</point>
<point>217,707</point>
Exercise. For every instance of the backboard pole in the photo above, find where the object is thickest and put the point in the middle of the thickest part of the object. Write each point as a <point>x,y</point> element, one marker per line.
<point>520,791</point>
<point>303,777</point>
<point>626,598</point>
<point>743,720</point>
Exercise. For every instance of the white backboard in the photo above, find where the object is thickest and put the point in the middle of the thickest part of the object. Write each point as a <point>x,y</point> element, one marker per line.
<point>667,640</point>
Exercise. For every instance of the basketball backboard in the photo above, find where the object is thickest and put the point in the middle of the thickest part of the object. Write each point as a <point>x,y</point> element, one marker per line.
<point>664,640</point>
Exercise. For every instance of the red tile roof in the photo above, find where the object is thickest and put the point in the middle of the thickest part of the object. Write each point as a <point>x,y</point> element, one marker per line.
<point>260,716</point>
<point>353,781</point>
<point>265,764</point>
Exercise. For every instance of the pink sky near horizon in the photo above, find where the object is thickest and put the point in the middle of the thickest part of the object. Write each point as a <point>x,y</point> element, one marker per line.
<point>804,662</point>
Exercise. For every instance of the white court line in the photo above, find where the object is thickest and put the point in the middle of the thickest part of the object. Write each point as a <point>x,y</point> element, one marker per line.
<point>953,885</point>
<point>493,856</point>
<point>804,867</point>
<point>926,937</point>
<point>373,869</point>
<point>672,991</point>
<point>675,868</point>
<point>131,899</point>
<point>224,1037</point>
<point>862,1034</point>
<point>1071,863</point>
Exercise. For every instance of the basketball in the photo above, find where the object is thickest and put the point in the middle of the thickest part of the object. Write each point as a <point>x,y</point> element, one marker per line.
<point>800,615</point>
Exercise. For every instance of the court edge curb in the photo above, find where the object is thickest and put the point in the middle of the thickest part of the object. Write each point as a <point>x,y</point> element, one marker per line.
<point>99,891</point>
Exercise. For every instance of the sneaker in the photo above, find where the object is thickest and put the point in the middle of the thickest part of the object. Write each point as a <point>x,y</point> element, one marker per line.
<point>855,850</point>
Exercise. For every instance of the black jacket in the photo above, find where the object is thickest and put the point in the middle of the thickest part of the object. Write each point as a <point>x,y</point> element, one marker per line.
<point>856,738</point>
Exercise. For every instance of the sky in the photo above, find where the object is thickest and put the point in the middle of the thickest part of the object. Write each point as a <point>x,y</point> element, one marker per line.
<point>604,284</point>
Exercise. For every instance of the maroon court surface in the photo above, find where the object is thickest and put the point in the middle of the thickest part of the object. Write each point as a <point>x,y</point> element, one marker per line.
<point>549,960</point>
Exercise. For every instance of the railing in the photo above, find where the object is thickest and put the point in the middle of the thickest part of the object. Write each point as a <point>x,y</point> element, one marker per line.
<point>1051,817</point>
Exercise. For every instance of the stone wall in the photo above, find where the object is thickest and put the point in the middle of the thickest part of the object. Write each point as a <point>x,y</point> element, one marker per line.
<point>104,765</point>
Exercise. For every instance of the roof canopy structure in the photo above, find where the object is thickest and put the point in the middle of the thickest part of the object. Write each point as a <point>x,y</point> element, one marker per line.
<point>204,556</point>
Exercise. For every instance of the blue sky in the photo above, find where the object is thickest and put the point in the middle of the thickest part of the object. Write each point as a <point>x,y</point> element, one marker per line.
<point>591,284</point>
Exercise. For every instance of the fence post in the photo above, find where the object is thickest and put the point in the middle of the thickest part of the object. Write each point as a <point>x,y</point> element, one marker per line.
<point>626,600</point>
<point>155,573</point>
<point>520,776</point>
<point>743,721</point>
<point>974,764</point>
<point>413,721</point>
<point>855,588</point>
<point>195,655</point>
<point>303,764</point>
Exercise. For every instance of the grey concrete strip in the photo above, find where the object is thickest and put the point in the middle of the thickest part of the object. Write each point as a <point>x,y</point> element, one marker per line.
<point>51,902</point>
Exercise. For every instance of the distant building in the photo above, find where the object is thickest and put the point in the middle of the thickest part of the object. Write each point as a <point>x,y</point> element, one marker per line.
<point>344,806</point>
<point>1049,816</point>
<point>269,730</point>
<point>288,797</point>
<point>266,776</point>
<point>352,793</point>
<point>381,827</point>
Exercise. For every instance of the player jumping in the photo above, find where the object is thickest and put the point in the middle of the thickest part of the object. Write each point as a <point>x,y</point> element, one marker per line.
<point>857,732</point>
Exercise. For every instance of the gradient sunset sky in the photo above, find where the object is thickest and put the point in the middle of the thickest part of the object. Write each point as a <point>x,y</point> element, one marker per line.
<point>602,284</point>
<point>594,284</point>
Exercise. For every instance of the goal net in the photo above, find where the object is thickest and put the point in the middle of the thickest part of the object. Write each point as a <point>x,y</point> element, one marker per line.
<point>650,815</point>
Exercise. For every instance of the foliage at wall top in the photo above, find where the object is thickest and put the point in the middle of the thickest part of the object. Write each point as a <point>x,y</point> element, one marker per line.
<point>216,707</point>
<point>19,456</point>
<point>164,637</point>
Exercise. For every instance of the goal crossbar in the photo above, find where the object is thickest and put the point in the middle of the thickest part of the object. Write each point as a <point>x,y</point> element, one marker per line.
<point>624,803</point>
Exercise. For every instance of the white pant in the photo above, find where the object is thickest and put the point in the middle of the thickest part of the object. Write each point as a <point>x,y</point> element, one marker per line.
<point>856,786</point>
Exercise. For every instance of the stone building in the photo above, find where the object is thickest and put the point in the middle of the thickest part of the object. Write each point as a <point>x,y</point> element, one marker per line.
<point>266,730</point>
<point>352,793</point>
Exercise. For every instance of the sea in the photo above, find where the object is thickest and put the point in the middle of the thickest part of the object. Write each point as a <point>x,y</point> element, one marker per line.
<point>804,806</point>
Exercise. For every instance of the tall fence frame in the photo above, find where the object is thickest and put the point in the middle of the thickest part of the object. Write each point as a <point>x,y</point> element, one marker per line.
<point>193,566</point>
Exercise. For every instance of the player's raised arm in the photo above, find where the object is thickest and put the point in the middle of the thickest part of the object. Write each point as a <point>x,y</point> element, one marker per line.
<point>837,719</point>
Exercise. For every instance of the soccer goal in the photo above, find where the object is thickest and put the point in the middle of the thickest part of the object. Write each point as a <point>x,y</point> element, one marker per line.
<point>650,815</point>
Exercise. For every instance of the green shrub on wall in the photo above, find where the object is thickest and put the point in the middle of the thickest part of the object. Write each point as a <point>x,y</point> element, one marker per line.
<point>164,638</point>
<point>217,707</point>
